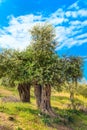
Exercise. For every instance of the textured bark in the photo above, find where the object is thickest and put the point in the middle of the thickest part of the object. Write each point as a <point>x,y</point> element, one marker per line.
<point>45,105</point>
<point>43,95</point>
<point>24,92</point>
<point>38,92</point>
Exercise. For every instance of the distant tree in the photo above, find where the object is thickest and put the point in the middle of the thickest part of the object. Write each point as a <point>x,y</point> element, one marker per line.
<point>73,70</point>
<point>82,89</point>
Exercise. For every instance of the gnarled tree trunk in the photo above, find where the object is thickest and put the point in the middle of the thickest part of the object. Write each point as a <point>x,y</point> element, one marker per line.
<point>45,105</point>
<point>38,92</point>
<point>24,92</point>
<point>43,95</point>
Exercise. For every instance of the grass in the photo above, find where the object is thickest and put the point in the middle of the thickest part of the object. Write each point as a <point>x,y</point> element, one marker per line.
<point>25,116</point>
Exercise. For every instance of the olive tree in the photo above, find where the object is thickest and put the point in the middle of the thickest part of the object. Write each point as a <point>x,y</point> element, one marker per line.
<point>73,71</point>
<point>16,66</point>
<point>46,65</point>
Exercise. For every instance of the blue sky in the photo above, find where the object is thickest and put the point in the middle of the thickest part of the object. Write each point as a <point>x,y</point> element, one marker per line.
<point>68,16</point>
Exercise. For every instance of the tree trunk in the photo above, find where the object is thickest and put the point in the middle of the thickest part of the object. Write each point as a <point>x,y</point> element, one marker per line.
<point>24,92</point>
<point>38,92</point>
<point>45,105</point>
<point>71,96</point>
<point>72,100</point>
<point>72,93</point>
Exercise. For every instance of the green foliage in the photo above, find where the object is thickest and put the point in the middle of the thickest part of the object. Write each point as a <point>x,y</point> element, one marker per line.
<point>73,71</point>
<point>39,61</point>
<point>5,81</point>
<point>19,128</point>
<point>82,89</point>
<point>73,68</point>
<point>15,65</point>
<point>46,61</point>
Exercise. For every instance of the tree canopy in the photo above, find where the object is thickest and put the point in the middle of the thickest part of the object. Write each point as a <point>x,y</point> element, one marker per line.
<point>39,63</point>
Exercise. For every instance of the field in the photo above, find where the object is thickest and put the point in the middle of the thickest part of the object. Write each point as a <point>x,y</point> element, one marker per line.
<point>23,116</point>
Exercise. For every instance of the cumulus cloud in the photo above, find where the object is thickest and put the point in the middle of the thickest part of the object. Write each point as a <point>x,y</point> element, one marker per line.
<point>75,14</point>
<point>70,24</point>
<point>74,6</point>
<point>16,35</point>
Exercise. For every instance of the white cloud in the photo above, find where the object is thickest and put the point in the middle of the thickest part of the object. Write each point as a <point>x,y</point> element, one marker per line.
<point>74,6</point>
<point>70,25</point>
<point>82,36</point>
<point>16,35</point>
<point>75,14</point>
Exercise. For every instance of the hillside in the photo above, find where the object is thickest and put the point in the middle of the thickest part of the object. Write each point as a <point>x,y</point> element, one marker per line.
<point>23,116</point>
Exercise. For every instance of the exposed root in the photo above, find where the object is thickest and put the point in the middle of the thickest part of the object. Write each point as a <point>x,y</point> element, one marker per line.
<point>52,114</point>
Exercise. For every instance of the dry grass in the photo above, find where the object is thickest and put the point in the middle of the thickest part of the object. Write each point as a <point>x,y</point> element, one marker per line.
<point>5,123</point>
<point>5,92</point>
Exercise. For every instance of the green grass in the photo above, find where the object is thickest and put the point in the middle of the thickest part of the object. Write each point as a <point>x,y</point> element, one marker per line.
<point>25,116</point>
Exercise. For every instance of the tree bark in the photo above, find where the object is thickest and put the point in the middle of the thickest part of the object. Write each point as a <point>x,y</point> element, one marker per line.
<point>72,93</point>
<point>72,99</point>
<point>24,92</point>
<point>45,105</point>
<point>71,96</point>
<point>38,92</point>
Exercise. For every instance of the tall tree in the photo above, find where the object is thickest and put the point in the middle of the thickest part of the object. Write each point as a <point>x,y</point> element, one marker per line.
<point>46,66</point>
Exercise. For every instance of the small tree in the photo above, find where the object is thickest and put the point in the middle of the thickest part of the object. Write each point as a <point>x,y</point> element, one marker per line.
<point>73,72</point>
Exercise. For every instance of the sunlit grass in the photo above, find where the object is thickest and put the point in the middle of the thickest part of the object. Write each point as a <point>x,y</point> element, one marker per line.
<point>26,115</point>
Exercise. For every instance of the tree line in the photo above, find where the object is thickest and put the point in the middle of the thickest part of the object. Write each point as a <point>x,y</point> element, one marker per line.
<point>41,67</point>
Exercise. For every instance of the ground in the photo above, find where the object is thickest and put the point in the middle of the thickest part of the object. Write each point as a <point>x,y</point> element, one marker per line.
<point>15,115</point>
